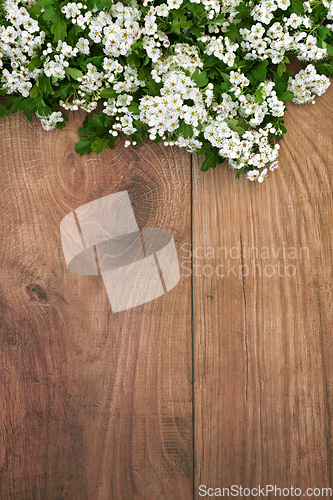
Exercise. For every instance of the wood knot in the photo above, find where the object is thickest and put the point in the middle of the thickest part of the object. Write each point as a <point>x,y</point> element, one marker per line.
<point>209,298</point>
<point>36,292</point>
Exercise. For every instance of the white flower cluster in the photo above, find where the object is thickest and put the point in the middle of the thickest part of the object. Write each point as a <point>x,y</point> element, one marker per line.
<point>222,48</point>
<point>306,84</point>
<point>50,122</point>
<point>163,114</point>
<point>256,111</point>
<point>124,118</point>
<point>18,43</point>
<point>183,110</point>
<point>329,5</point>
<point>56,67</point>
<point>274,42</point>
<point>264,11</point>
<point>185,57</point>
<point>130,81</point>
<point>229,9</point>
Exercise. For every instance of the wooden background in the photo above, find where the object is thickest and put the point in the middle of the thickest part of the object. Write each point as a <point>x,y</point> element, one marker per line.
<point>225,380</point>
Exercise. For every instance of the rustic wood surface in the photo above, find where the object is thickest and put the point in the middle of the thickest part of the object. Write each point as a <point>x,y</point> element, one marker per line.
<point>101,406</point>
<point>263,371</point>
<point>95,405</point>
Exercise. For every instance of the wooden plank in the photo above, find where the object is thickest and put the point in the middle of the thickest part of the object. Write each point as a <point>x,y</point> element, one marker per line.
<point>263,367</point>
<point>95,405</point>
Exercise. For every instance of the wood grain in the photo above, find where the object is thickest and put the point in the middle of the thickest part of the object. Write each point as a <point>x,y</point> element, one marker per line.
<point>95,405</point>
<point>98,405</point>
<point>263,376</point>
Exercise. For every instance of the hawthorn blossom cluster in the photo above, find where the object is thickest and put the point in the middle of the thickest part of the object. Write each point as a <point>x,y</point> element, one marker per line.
<point>193,80</point>
<point>184,56</point>
<point>50,122</point>
<point>256,111</point>
<point>329,5</point>
<point>306,84</point>
<point>163,114</point>
<point>222,48</point>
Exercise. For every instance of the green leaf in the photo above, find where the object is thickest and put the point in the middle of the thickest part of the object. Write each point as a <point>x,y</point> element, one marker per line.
<point>324,68</point>
<point>133,59</point>
<point>73,72</point>
<point>108,93</point>
<point>42,3</point>
<point>103,4</point>
<point>187,131</point>
<point>90,4</point>
<point>96,121</point>
<point>210,161</point>
<point>224,87</point>
<point>30,114</point>
<point>281,68</point>
<point>16,105</point>
<point>134,108</point>
<point>139,125</point>
<point>219,19</point>
<point>50,14</point>
<point>100,144</point>
<point>34,92</point>
<point>259,71</point>
<point>84,146</point>
<point>25,104</point>
<point>282,93</point>
<point>45,84</point>
<point>34,63</point>
<point>323,32</point>
<point>243,11</point>
<point>96,60</point>
<point>297,7</point>
<point>58,29</point>
<point>152,86</point>
<point>282,79</point>
<point>233,33</point>
<point>225,76</point>
<point>211,73</point>
<point>100,4</point>
<point>61,125</point>
<point>243,124</point>
<point>181,23</point>
<point>233,125</point>
<point>137,45</point>
<point>9,100</point>
<point>318,12</point>
<point>286,96</point>
<point>3,111</point>
<point>211,61</point>
<point>178,12</point>
<point>144,72</point>
<point>258,95</point>
<point>35,10</point>
<point>136,137</point>
<point>200,78</point>
<point>73,35</point>
<point>63,92</point>
<point>43,109</point>
<point>196,9</point>
<point>197,32</point>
